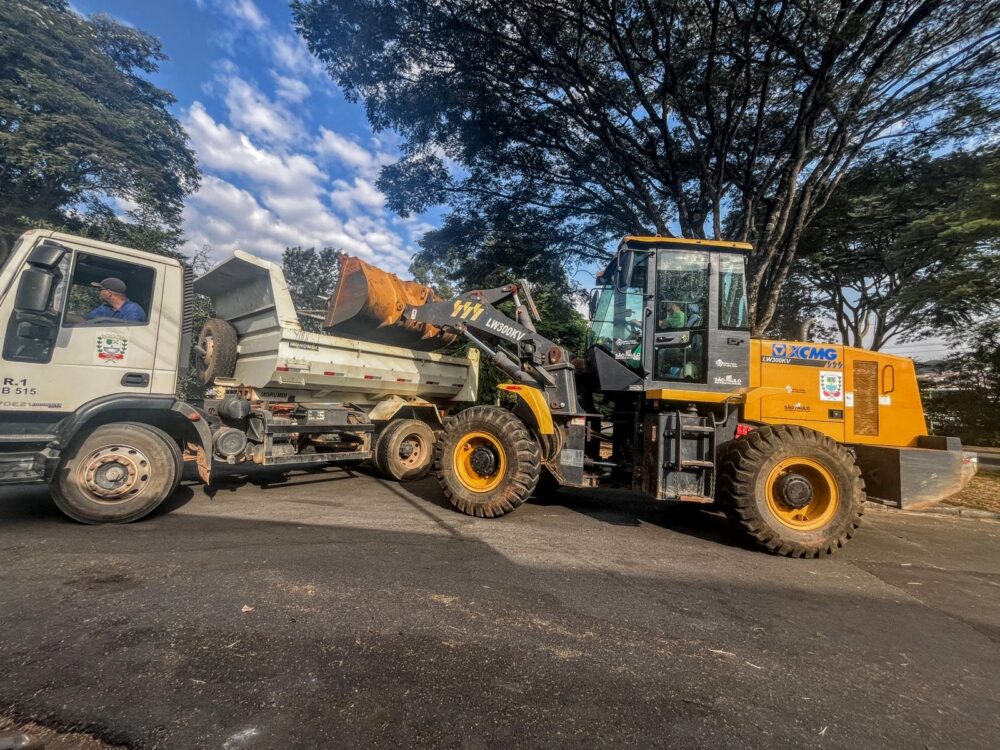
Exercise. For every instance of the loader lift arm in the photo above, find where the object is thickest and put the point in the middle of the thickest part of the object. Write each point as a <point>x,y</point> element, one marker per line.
<point>536,361</point>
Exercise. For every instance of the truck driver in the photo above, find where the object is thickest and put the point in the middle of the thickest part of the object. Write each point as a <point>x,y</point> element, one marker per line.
<point>115,302</point>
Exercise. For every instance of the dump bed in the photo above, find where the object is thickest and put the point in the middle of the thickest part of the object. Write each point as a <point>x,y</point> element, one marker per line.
<point>275,354</point>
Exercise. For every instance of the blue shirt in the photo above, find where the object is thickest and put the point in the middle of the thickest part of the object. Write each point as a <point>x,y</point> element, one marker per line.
<point>129,311</point>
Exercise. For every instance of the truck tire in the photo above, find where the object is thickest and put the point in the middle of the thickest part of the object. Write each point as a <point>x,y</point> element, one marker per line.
<point>405,450</point>
<point>117,474</point>
<point>487,461</point>
<point>218,340</point>
<point>793,491</point>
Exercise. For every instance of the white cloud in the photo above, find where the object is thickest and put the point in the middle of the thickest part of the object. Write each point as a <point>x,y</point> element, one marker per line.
<point>250,110</point>
<point>272,179</point>
<point>359,193</point>
<point>229,218</point>
<point>286,200</point>
<point>291,53</point>
<point>222,148</point>
<point>247,12</point>
<point>346,151</point>
<point>290,89</point>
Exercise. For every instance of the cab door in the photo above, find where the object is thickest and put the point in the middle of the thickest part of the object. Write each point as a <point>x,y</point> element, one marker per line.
<point>101,356</point>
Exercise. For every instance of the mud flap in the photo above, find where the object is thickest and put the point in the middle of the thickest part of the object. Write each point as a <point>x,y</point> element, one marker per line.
<point>203,448</point>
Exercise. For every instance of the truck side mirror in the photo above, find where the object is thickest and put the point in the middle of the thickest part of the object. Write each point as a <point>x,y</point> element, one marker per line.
<point>594,293</point>
<point>47,255</point>
<point>35,291</point>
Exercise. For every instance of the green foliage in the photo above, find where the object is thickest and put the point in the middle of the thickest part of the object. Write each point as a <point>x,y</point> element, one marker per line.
<point>908,247</point>
<point>967,402</point>
<point>589,120</point>
<point>473,254</point>
<point>81,128</point>
<point>311,277</point>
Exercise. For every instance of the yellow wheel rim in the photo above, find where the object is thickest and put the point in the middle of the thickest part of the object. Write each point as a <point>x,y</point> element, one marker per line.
<point>823,504</point>
<point>467,473</point>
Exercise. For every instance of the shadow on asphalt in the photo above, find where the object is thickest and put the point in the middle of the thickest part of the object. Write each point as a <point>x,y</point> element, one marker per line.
<point>269,478</point>
<point>623,508</point>
<point>614,507</point>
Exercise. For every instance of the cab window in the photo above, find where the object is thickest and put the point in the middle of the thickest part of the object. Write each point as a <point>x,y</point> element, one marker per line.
<point>681,290</point>
<point>107,291</point>
<point>616,326</point>
<point>682,284</point>
<point>732,293</point>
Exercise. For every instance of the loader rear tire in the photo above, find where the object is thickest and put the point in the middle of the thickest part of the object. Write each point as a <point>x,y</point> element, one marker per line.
<point>117,474</point>
<point>219,341</point>
<point>405,450</point>
<point>792,490</point>
<point>487,461</point>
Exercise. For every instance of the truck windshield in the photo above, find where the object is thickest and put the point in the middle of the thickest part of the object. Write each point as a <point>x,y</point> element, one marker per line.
<point>616,325</point>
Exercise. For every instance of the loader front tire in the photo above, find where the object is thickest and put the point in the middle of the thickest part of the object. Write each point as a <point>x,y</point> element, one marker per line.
<point>487,461</point>
<point>219,341</point>
<point>117,474</point>
<point>792,490</point>
<point>405,450</point>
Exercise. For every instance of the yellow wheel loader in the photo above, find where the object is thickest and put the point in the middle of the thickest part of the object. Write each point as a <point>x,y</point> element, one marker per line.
<point>673,398</point>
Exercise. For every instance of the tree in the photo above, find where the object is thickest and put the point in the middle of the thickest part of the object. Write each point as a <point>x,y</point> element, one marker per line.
<point>908,247</point>
<point>967,401</point>
<point>611,117</point>
<point>311,277</point>
<point>481,253</point>
<point>82,129</point>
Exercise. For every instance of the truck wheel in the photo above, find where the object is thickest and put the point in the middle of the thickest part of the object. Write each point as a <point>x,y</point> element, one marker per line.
<point>218,340</point>
<point>794,491</point>
<point>118,473</point>
<point>487,461</point>
<point>405,450</point>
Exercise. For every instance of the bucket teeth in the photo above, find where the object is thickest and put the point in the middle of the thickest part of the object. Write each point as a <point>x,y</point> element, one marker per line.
<point>368,303</point>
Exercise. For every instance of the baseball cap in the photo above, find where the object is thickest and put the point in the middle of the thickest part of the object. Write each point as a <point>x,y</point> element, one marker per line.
<point>111,284</point>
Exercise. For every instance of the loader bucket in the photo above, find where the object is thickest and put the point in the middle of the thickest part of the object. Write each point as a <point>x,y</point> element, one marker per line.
<point>368,304</point>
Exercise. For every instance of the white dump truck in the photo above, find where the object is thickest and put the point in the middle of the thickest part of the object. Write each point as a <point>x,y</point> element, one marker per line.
<point>88,397</point>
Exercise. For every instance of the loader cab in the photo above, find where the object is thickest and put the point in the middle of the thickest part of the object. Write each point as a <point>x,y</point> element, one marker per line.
<point>673,314</point>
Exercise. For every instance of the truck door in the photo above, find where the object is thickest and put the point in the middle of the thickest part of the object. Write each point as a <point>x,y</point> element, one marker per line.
<point>97,351</point>
<point>62,347</point>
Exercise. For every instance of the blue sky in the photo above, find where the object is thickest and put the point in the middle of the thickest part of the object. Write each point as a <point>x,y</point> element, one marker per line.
<point>285,159</point>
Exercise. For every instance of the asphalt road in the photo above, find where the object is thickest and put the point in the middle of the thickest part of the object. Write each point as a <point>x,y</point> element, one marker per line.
<point>338,610</point>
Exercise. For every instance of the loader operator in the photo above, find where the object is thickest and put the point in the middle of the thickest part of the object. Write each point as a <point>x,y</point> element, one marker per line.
<point>675,317</point>
<point>115,302</point>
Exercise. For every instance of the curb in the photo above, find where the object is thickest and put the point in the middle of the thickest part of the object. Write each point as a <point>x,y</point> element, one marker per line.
<point>952,511</point>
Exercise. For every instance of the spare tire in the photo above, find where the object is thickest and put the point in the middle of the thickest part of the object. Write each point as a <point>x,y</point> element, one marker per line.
<point>217,344</point>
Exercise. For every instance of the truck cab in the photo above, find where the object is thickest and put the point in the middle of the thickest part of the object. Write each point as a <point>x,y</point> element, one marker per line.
<point>58,354</point>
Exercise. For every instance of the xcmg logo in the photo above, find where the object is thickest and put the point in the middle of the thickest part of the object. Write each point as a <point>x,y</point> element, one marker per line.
<point>800,351</point>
